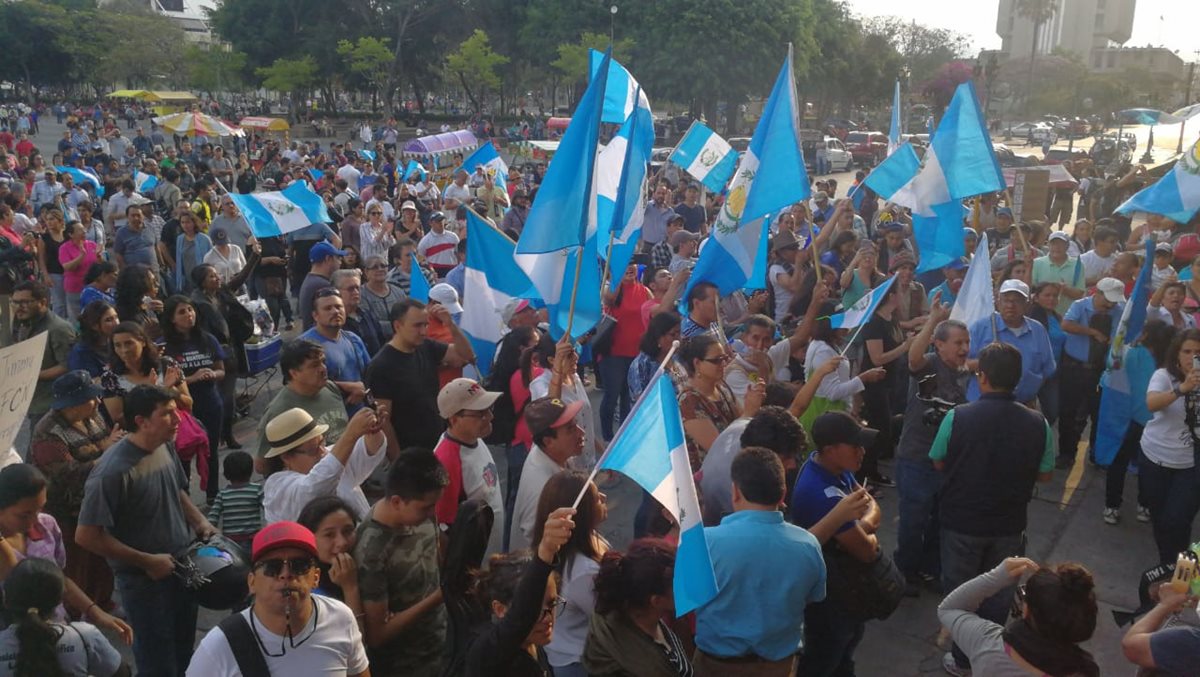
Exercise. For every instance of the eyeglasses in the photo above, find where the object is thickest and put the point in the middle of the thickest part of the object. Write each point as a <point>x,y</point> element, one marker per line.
<point>722,359</point>
<point>353,287</point>
<point>478,413</point>
<point>375,213</point>
<point>273,568</point>
<point>326,292</point>
<point>554,608</point>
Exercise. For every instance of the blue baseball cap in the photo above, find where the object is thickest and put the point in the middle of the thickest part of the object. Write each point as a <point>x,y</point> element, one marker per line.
<point>1004,211</point>
<point>323,250</point>
<point>970,232</point>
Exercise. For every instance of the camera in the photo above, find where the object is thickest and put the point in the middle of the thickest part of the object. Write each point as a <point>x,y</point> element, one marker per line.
<point>935,407</point>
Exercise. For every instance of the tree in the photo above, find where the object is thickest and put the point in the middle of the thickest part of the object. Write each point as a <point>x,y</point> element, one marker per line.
<point>573,60</point>
<point>367,59</point>
<point>294,76</point>
<point>475,65</point>
<point>212,69</point>
<point>858,64</point>
<point>35,49</point>
<point>1039,12</point>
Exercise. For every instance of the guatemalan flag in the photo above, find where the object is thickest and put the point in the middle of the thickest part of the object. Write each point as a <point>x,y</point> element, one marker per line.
<point>487,156</point>
<point>770,177</point>
<point>493,279</point>
<point>1116,395</point>
<point>976,298</point>
<point>283,211</point>
<point>705,156</point>
<point>558,244</point>
<point>415,167</point>
<point>143,182</point>
<point>1176,195</point>
<point>650,449</point>
<point>959,163</point>
<point>863,309</point>
<point>418,286</point>
<point>82,176</point>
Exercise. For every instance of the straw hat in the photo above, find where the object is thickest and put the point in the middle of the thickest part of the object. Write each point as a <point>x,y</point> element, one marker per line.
<point>291,429</point>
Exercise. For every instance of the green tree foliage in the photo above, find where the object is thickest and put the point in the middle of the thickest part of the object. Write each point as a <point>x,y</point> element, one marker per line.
<point>858,64</point>
<point>212,69</point>
<point>291,75</point>
<point>572,61</point>
<point>475,64</point>
<point>366,60</point>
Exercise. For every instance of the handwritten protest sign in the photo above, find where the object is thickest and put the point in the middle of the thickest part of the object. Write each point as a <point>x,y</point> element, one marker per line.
<point>19,367</point>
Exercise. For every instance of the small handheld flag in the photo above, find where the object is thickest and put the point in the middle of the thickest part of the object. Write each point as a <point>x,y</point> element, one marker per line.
<point>418,286</point>
<point>1176,195</point>
<point>704,155</point>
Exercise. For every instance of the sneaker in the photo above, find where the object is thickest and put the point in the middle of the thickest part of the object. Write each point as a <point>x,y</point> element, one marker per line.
<point>951,667</point>
<point>1143,513</point>
<point>1112,515</point>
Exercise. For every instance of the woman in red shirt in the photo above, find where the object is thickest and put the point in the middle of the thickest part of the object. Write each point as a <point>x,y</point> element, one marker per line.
<point>626,307</point>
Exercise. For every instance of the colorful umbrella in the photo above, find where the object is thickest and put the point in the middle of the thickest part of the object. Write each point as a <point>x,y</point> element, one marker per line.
<point>1147,116</point>
<point>194,123</point>
<point>265,124</point>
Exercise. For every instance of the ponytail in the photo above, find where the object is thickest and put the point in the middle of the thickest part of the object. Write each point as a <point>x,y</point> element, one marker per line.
<point>37,646</point>
<point>32,592</point>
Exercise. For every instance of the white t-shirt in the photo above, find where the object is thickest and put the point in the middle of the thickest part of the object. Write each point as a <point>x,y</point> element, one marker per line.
<point>1096,266</point>
<point>737,374</point>
<point>783,295</point>
<point>349,174</point>
<point>462,193</point>
<point>438,248</point>
<point>286,492</point>
<point>540,387</point>
<point>1166,440</point>
<point>480,481</point>
<point>578,589</point>
<point>334,646</point>
<point>82,650</point>
<point>538,470</point>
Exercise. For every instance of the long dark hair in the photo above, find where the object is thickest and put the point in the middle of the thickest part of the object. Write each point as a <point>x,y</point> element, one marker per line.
<point>508,358</point>
<point>89,320</point>
<point>1156,337</point>
<point>544,351</point>
<point>133,283</point>
<point>19,482</point>
<point>1171,360</point>
<point>560,492</point>
<point>170,333</point>
<point>33,591</point>
<point>660,325</point>
<point>1062,610</point>
<point>628,580</point>
<point>150,355</point>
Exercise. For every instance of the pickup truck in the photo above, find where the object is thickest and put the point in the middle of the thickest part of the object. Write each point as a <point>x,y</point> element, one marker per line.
<point>867,148</point>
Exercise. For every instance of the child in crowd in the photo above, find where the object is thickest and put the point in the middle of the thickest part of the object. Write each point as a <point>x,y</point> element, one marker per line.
<point>237,510</point>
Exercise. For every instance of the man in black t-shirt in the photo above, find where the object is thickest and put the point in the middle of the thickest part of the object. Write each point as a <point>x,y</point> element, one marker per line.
<point>403,376</point>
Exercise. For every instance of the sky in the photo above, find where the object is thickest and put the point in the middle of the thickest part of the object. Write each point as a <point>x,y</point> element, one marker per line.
<point>977,19</point>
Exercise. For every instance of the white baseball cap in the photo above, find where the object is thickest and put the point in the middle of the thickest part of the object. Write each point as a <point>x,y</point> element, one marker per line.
<point>1015,286</point>
<point>1112,288</point>
<point>447,296</point>
<point>464,394</point>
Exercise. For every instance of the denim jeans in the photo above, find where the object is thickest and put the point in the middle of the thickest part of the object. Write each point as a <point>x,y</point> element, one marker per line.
<point>163,617</point>
<point>830,638</point>
<point>917,549</point>
<point>1173,497</point>
<point>964,557</point>
<point>58,295</point>
<point>614,406</point>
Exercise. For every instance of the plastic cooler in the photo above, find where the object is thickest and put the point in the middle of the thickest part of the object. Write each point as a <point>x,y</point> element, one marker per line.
<point>263,355</point>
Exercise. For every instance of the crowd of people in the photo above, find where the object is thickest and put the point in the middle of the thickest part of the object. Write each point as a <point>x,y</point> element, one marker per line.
<point>382,537</point>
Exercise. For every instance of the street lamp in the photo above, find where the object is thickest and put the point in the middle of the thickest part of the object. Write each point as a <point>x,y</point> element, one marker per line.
<point>612,24</point>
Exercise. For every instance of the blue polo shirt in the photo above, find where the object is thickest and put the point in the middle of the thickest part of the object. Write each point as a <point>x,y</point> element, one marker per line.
<point>767,571</point>
<point>817,491</point>
<point>1031,339</point>
<point>346,358</point>
<point>1081,312</point>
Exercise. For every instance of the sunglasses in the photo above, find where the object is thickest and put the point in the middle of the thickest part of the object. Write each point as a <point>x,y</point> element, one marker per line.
<point>375,213</point>
<point>326,292</point>
<point>722,359</point>
<point>273,568</point>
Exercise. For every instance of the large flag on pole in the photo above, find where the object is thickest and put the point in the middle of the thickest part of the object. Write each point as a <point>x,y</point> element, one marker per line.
<point>1176,195</point>
<point>620,183</point>
<point>622,93</point>
<point>976,298</point>
<point>705,156</point>
<point>863,309</point>
<point>651,450</point>
<point>897,125</point>
<point>1116,396</point>
<point>282,211</point>
<point>558,244</point>
<point>493,279</point>
<point>82,176</point>
<point>770,177</point>
<point>959,163</point>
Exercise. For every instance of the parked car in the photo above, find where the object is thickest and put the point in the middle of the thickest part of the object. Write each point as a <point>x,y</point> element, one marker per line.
<point>840,159</point>
<point>1039,131</point>
<point>917,140</point>
<point>1007,158</point>
<point>1057,156</point>
<point>867,148</point>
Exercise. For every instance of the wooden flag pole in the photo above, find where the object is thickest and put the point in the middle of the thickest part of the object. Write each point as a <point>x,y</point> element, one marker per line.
<point>661,368</point>
<point>574,293</point>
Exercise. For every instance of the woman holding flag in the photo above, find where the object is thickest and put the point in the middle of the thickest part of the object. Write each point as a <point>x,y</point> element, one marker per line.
<point>837,390</point>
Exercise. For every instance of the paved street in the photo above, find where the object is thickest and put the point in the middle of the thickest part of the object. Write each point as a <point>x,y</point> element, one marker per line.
<point>1065,524</point>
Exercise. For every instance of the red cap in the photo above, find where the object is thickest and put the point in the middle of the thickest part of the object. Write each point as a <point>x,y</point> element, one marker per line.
<point>282,535</point>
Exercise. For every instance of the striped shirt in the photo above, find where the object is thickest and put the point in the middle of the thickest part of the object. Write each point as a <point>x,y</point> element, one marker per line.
<point>237,511</point>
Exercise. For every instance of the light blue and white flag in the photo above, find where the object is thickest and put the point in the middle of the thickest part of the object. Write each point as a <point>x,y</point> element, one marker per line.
<point>622,93</point>
<point>560,230</point>
<point>651,449</point>
<point>959,163</point>
<point>487,155</point>
<point>897,128</point>
<point>82,176</point>
<point>418,286</point>
<point>1176,195</point>
<point>281,211</point>
<point>976,298</point>
<point>705,156</point>
<point>493,279</point>
<point>415,167</point>
<point>770,176</point>
<point>863,309</point>
<point>316,175</point>
<point>1117,393</point>
<point>143,182</point>
<point>620,184</point>
<point>896,171</point>
<point>368,155</point>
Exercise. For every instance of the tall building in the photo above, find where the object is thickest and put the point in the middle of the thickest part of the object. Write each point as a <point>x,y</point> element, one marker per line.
<point>1078,26</point>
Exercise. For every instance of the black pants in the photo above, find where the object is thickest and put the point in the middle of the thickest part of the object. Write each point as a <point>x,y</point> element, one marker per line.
<point>1173,497</point>
<point>1114,482</point>
<point>1078,401</point>
<point>877,410</point>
